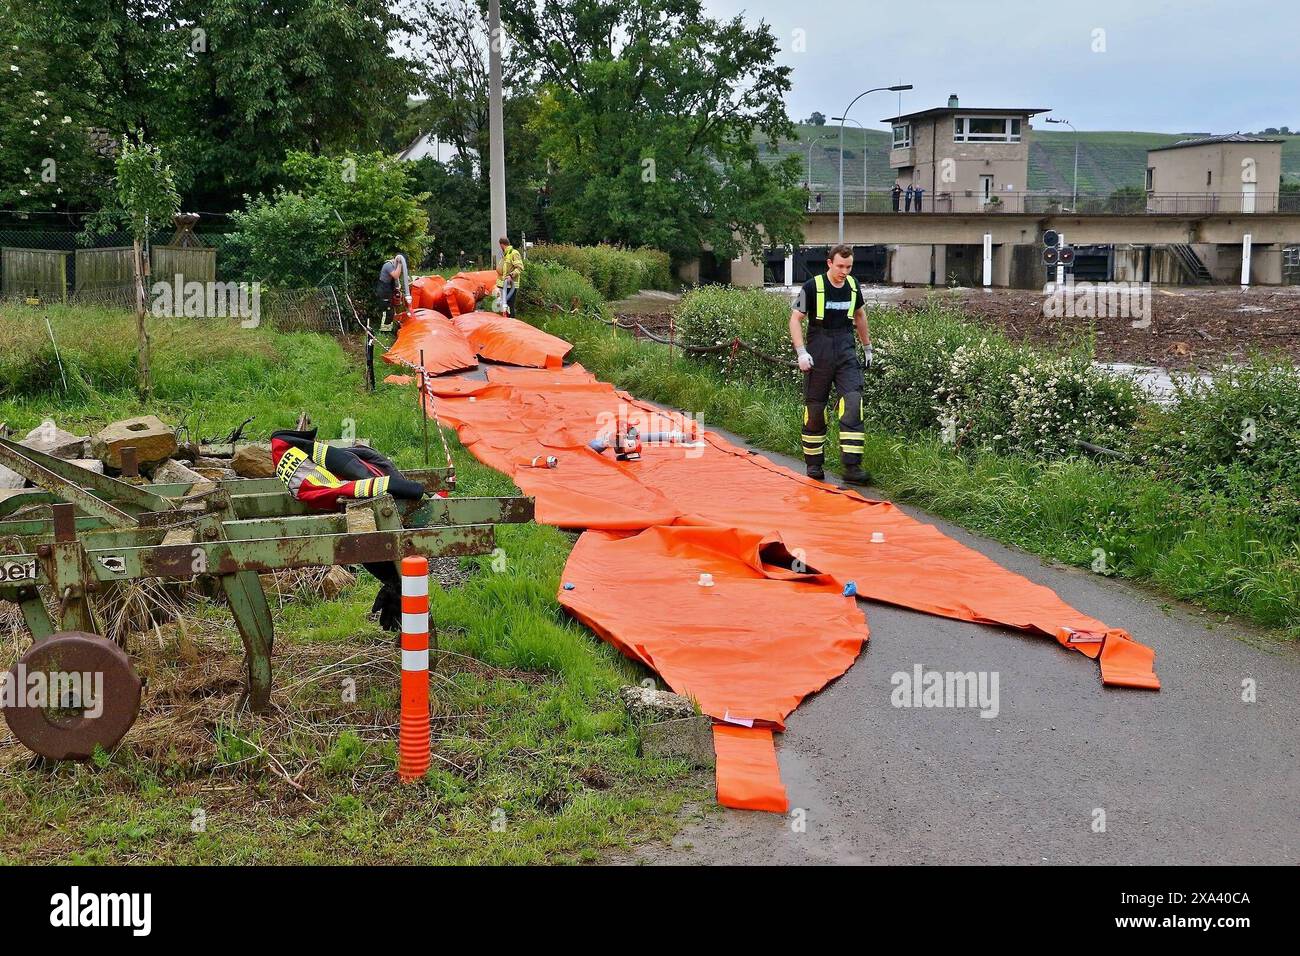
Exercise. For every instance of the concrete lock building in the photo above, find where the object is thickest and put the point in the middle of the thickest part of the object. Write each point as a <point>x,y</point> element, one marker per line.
<point>1212,207</point>
<point>1233,173</point>
<point>965,160</point>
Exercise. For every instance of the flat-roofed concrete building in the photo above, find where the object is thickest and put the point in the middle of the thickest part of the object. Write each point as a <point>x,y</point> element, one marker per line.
<point>1233,173</point>
<point>966,159</point>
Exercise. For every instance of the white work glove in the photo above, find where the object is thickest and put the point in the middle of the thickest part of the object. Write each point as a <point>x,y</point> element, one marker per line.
<point>805,361</point>
<point>866,356</point>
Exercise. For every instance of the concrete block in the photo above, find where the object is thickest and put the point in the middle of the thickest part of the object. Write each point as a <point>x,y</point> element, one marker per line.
<point>152,439</point>
<point>173,472</point>
<point>686,738</point>
<point>649,704</point>
<point>253,461</point>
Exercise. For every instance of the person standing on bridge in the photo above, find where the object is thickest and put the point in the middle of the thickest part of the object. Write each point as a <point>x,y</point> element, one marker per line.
<point>907,198</point>
<point>920,191</point>
<point>834,307</point>
<point>895,195</point>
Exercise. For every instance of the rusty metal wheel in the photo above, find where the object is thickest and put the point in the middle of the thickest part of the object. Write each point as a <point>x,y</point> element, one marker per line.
<point>69,693</point>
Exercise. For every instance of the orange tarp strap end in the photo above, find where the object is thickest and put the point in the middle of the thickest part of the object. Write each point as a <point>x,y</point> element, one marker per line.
<point>747,773</point>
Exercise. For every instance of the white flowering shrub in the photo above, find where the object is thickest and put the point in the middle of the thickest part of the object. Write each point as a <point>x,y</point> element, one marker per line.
<point>971,397</point>
<point>1056,401</point>
<point>935,372</point>
<point>911,356</point>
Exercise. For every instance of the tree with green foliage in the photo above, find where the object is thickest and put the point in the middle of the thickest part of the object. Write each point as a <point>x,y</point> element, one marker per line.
<point>1127,199</point>
<point>337,217</point>
<point>817,119</point>
<point>225,88</point>
<point>47,162</point>
<point>146,192</point>
<point>650,118</point>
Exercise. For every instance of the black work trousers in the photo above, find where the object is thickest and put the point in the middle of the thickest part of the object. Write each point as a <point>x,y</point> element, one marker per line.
<point>835,362</point>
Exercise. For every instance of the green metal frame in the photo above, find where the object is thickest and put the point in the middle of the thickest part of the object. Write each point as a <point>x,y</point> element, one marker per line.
<point>101,530</point>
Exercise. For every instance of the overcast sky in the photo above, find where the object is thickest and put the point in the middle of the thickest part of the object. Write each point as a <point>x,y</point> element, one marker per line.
<point>1213,66</point>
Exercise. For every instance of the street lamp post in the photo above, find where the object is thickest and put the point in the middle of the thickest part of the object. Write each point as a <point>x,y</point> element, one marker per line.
<point>842,117</point>
<point>864,157</point>
<point>1074,200</point>
<point>807,179</point>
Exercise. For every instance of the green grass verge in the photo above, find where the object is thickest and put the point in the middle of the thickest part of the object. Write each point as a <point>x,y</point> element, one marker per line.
<point>1211,547</point>
<point>535,759</point>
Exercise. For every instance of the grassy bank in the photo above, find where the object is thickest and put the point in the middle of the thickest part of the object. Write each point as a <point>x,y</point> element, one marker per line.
<point>534,758</point>
<point>1213,544</point>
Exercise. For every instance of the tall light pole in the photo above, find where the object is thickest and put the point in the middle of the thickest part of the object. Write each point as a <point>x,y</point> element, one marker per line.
<point>496,130</point>
<point>864,156</point>
<point>876,89</point>
<point>807,179</point>
<point>1074,200</point>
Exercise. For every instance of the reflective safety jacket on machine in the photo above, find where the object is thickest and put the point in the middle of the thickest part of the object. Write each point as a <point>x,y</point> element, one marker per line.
<point>322,476</point>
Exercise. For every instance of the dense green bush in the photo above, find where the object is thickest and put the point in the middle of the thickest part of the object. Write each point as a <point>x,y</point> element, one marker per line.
<point>616,273</point>
<point>1241,420</point>
<point>357,209</point>
<point>546,286</point>
<point>715,315</point>
<point>656,268</point>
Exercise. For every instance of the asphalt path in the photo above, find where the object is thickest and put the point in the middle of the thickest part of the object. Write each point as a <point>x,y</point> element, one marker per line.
<point>1067,772</point>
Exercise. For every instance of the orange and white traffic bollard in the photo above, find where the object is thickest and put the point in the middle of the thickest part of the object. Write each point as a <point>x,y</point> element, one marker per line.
<point>413,733</point>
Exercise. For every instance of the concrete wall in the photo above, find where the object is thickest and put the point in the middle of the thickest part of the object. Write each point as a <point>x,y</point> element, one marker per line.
<point>688,272</point>
<point>908,264</point>
<point>871,229</point>
<point>746,272</point>
<point>1185,170</point>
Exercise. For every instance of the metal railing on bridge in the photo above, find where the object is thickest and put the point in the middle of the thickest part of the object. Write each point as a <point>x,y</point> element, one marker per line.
<point>1038,202</point>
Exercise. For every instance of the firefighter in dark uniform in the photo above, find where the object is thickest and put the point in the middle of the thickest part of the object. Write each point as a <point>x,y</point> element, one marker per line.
<point>834,308</point>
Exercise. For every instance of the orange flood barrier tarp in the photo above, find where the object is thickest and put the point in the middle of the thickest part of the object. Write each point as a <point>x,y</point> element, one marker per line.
<point>444,347</point>
<point>499,338</point>
<point>710,485</point>
<point>458,295</point>
<point>716,642</point>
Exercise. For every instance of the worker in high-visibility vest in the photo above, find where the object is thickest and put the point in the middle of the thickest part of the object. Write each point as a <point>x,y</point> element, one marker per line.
<point>834,307</point>
<point>510,267</point>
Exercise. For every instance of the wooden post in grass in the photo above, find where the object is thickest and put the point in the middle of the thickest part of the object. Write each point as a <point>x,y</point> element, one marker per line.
<point>143,380</point>
<point>147,193</point>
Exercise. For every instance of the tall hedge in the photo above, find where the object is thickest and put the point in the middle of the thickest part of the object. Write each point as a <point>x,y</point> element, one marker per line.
<point>616,273</point>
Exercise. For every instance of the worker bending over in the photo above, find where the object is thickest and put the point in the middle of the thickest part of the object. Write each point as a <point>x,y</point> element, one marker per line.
<point>834,307</point>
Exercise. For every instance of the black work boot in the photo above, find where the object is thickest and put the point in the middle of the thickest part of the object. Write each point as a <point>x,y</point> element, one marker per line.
<point>815,470</point>
<point>388,608</point>
<point>854,475</point>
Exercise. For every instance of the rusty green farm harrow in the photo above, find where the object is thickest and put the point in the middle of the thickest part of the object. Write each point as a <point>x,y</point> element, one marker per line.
<point>78,532</point>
